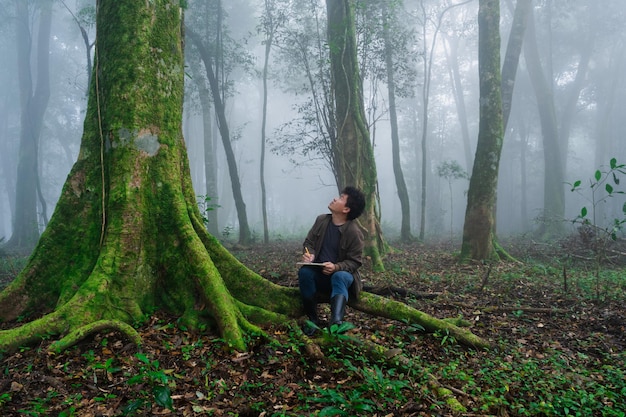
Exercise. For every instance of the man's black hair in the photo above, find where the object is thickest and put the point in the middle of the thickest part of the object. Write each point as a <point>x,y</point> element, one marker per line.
<point>355,201</point>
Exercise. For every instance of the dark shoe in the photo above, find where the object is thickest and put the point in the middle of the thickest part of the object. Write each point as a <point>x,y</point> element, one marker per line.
<point>337,309</point>
<point>309,328</point>
<point>310,309</point>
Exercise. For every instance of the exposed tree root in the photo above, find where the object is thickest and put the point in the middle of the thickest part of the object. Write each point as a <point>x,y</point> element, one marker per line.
<point>389,290</point>
<point>383,307</point>
<point>81,333</point>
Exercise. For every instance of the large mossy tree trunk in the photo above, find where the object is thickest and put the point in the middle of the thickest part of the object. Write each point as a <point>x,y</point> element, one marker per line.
<point>126,236</point>
<point>355,156</point>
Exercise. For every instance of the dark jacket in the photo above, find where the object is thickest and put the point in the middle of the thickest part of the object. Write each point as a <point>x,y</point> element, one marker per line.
<point>350,247</point>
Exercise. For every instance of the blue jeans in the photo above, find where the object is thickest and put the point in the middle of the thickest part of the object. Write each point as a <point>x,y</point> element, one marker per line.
<point>313,281</point>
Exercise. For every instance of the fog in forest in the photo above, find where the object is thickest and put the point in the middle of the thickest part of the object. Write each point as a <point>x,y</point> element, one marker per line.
<point>573,102</point>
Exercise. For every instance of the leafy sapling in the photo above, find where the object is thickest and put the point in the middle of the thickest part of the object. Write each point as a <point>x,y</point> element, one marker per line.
<point>597,234</point>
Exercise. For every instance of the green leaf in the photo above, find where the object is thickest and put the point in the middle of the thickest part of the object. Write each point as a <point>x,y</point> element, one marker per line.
<point>583,212</point>
<point>613,163</point>
<point>133,406</point>
<point>162,396</point>
<point>609,189</point>
<point>342,328</point>
<point>598,175</point>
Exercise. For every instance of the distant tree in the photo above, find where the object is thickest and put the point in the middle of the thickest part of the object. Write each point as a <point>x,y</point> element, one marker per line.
<point>554,180</point>
<point>85,19</point>
<point>212,54</point>
<point>457,88</point>
<point>34,97</point>
<point>209,201</point>
<point>428,54</point>
<point>393,55</point>
<point>271,19</point>
<point>301,44</point>
<point>199,99</point>
<point>355,156</point>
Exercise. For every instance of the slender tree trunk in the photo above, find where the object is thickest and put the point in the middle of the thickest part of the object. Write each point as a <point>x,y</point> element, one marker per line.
<point>7,168</point>
<point>478,238</point>
<point>210,161</point>
<point>511,58</point>
<point>459,98</point>
<point>33,106</point>
<point>426,67</point>
<point>354,149</point>
<point>568,113</point>
<point>269,32</point>
<point>554,190</point>
<point>523,139</point>
<point>606,110</point>
<point>403,194</point>
<point>222,123</point>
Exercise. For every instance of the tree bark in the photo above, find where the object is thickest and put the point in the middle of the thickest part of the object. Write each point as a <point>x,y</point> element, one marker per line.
<point>478,237</point>
<point>356,161</point>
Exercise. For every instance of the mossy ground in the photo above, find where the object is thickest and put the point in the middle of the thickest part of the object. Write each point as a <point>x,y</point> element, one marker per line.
<point>555,351</point>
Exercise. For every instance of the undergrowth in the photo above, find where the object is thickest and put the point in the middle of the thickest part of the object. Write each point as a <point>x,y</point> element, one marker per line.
<point>567,360</point>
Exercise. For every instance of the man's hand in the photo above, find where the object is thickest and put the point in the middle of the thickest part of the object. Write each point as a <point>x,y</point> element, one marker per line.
<point>329,268</point>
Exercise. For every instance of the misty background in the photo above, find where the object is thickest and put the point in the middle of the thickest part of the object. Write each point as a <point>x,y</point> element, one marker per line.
<point>581,46</point>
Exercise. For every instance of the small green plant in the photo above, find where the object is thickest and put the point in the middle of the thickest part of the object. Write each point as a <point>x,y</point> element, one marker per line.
<point>518,313</point>
<point>227,231</point>
<point>344,403</point>
<point>445,336</point>
<point>339,329</point>
<point>205,206</point>
<point>150,375</point>
<point>594,233</point>
<point>5,397</point>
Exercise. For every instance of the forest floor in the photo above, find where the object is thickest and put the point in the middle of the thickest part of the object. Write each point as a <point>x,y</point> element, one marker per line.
<point>557,335</point>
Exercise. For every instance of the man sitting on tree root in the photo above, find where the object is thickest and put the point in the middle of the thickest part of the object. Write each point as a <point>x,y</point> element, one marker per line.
<point>335,242</point>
